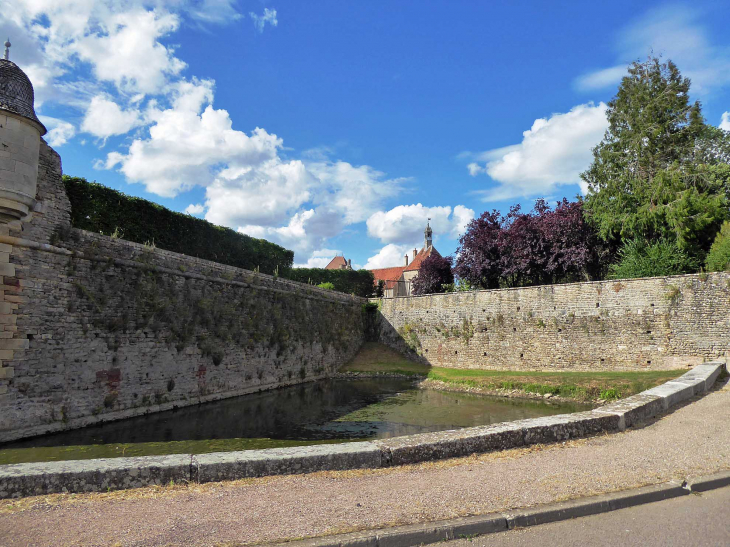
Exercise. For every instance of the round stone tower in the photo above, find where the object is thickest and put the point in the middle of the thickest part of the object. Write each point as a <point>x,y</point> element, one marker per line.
<point>20,138</point>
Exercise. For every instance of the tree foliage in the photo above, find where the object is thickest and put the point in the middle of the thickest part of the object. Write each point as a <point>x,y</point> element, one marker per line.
<point>434,273</point>
<point>542,246</point>
<point>660,173</point>
<point>358,282</point>
<point>718,259</point>
<point>101,209</point>
<point>638,258</point>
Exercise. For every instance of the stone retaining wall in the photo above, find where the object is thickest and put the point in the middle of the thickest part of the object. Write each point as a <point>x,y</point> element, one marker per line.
<point>95,328</point>
<point>635,324</point>
<point>100,475</point>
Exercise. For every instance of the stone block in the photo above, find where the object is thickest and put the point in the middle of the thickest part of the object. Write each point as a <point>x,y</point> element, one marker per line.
<point>671,393</point>
<point>14,343</point>
<point>7,269</point>
<point>634,409</point>
<point>6,373</point>
<point>450,444</point>
<point>6,354</point>
<point>286,461</point>
<point>31,479</point>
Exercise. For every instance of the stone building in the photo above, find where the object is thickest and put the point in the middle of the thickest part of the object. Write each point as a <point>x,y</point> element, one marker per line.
<point>339,263</point>
<point>398,279</point>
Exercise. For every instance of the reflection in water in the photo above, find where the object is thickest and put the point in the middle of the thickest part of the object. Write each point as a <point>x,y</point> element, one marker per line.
<point>325,411</point>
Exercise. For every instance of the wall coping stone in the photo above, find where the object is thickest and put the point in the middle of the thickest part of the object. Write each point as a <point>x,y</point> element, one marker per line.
<point>551,287</point>
<point>19,480</point>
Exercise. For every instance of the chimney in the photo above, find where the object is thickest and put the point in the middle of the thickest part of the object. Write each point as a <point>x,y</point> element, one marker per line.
<point>415,252</point>
<point>406,257</point>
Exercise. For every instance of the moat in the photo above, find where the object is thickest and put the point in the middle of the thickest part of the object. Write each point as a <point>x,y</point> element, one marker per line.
<point>327,411</point>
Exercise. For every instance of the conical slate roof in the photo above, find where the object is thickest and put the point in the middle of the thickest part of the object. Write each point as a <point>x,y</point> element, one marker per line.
<point>16,92</point>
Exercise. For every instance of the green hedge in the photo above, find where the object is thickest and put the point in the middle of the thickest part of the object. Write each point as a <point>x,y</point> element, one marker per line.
<point>100,209</point>
<point>358,282</point>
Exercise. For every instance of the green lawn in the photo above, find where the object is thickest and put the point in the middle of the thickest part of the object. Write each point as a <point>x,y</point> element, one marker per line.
<point>575,385</point>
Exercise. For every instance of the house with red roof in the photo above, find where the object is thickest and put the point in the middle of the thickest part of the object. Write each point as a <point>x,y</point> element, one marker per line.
<point>397,279</point>
<point>339,263</point>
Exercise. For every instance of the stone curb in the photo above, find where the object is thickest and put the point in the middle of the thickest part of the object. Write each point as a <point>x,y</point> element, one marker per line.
<point>17,480</point>
<point>468,527</point>
<point>709,482</point>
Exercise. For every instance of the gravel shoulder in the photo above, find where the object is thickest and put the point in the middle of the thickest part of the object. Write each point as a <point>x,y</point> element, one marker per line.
<point>692,440</point>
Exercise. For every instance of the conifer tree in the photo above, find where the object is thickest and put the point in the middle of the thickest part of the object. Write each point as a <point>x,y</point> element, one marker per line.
<point>660,172</point>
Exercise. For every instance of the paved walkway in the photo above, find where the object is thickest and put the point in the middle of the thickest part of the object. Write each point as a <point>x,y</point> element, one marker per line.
<point>693,440</point>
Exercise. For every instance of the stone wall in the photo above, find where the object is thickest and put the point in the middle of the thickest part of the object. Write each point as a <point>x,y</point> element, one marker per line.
<point>657,323</point>
<point>96,328</point>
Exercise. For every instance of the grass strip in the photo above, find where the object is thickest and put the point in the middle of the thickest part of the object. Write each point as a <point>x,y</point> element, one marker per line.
<point>578,385</point>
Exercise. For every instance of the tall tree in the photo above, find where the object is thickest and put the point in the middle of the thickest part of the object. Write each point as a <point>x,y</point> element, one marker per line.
<point>658,172</point>
<point>434,273</point>
<point>480,251</point>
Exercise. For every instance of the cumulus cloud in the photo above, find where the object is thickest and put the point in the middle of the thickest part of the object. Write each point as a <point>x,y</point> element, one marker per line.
<point>186,147</point>
<point>407,222</point>
<point>127,52</point>
<point>389,256</point>
<point>676,33</point>
<point>554,151</point>
<point>111,61</point>
<point>260,21</point>
<point>319,258</point>
<point>307,230</point>
<point>104,118</point>
<point>59,131</point>
<point>725,121</point>
<point>194,209</point>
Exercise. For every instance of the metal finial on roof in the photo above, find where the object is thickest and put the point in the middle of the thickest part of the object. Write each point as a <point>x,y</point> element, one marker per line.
<point>7,49</point>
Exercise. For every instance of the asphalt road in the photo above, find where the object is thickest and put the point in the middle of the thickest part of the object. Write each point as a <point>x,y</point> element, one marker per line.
<point>696,520</point>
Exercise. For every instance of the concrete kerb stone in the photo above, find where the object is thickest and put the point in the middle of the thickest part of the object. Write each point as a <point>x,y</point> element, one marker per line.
<point>118,473</point>
<point>709,482</point>
<point>467,527</point>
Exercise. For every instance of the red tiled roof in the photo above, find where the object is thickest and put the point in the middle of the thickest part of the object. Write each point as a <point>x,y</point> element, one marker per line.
<point>336,263</point>
<point>420,257</point>
<point>389,275</point>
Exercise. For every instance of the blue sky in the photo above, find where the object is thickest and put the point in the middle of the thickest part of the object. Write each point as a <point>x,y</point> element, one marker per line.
<point>340,126</point>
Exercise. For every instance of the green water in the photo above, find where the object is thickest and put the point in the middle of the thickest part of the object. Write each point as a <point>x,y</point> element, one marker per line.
<point>330,411</point>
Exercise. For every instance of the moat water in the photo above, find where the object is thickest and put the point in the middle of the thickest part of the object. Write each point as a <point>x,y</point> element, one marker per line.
<point>327,411</point>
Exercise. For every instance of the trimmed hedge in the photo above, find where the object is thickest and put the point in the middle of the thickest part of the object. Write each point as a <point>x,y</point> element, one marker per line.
<point>97,208</point>
<point>360,282</point>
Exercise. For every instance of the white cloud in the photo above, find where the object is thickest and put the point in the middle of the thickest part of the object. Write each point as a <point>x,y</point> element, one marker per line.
<point>59,132</point>
<point>126,50</point>
<point>260,21</point>
<point>407,222</point>
<point>186,148</point>
<point>554,151</point>
<point>390,256</point>
<point>725,121</point>
<point>111,61</point>
<point>601,79</point>
<point>307,229</point>
<point>194,209</point>
<point>319,258</point>
<point>104,118</point>
<point>675,33</point>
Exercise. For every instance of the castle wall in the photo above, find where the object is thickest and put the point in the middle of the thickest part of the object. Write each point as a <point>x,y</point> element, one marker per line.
<point>96,328</point>
<point>638,324</point>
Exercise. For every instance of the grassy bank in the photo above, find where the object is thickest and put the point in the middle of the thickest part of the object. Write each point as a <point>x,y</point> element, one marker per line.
<point>581,386</point>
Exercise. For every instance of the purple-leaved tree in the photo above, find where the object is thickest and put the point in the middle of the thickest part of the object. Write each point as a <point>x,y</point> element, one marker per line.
<point>434,273</point>
<point>520,249</point>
